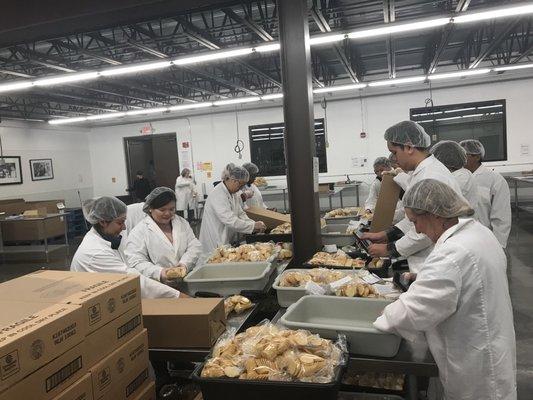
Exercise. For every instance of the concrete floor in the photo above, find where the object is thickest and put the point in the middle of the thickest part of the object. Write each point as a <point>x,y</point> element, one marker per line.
<point>520,274</point>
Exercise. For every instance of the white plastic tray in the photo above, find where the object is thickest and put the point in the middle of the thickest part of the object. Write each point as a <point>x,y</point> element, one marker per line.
<point>336,234</point>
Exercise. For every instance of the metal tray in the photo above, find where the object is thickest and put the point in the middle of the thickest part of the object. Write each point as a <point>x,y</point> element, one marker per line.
<point>328,316</point>
<point>228,278</point>
<point>336,234</point>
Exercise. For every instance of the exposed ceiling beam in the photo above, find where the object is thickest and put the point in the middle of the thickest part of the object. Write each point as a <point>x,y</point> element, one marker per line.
<point>14,73</point>
<point>389,15</point>
<point>256,29</point>
<point>198,35</point>
<point>221,81</point>
<point>525,54</point>
<point>84,52</point>
<point>46,60</point>
<point>147,49</point>
<point>495,43</point>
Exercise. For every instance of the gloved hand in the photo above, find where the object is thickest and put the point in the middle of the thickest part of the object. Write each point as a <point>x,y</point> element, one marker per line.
<point>259,226</point>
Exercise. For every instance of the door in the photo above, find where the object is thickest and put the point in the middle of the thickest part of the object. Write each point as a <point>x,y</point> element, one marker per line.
<point>166,165</point>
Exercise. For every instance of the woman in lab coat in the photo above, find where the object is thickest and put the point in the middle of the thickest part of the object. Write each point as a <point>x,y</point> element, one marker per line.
<point>460,300</point>
<point>185,192</point>
<point>494,195</point>
<point>163,239</point>
<point>135,215</point>
<point>101,248</point>
<point>223,216</point>
<point>382,164</point>
<point>251,195</point>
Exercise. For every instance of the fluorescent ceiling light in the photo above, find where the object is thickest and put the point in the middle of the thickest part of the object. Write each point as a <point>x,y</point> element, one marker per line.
<point>66,120</point>
<point>329,89</point>
<point>66,78</point>
<point>105,116</point>
<point>321,39</point>
<point>213,55</point>
<point>266,48</point>
<point>494,14</point>
<point>399,81</point>
<point>460,74</point>
<point>237,101</point>
<point>190,106</point>
<point>6,87</point>
<point>513,67</point>
<point>135,68</point>
<point>494,106</point>
<point>272,96</point>
<point>398,28</point>
<point>459,109</point>
<point>147,111</point>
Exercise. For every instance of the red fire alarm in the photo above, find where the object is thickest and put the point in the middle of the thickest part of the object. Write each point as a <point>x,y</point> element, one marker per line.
<point>363,135</point>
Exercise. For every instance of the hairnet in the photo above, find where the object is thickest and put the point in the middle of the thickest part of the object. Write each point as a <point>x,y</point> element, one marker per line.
<point>382,162</point>
<point>103,209</point>
<point>435,197</point>
<point>251,168</point>
<point>154,194</point>
<point>409,133</point>
<point>450,153</point>
<point>225,171</point>
<point>237,173</point>
<point>473,147</point>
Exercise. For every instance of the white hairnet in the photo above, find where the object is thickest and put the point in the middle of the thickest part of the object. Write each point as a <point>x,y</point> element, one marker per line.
<point>235,172</point>
<point>409,133</point>
<point>153,195</point>
<point>435,197</point>
<point>382,162</point>
<point>103,209</point>
<point>450,153</point>
<point>251,168</point>
<point>473,147</point>
<point>225,171</point>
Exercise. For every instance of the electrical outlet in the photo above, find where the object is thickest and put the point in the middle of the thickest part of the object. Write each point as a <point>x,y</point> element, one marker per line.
<point>524,149</point>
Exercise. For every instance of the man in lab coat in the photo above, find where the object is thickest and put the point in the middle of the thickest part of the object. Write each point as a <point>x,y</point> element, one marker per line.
<point>494,195</point>
<point>101,250</point>
<point>410,143</point>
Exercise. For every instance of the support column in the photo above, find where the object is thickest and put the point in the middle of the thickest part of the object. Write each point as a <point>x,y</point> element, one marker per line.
<point>299,127</point>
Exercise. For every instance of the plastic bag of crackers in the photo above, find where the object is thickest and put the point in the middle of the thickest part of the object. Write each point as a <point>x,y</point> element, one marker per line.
<point>270,352</point>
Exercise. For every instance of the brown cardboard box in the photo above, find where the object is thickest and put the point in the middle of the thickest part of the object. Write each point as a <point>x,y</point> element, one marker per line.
<point>52,379</point>
<point>113,335</point>
<point>132,385</point>
<point>79,390</point>
<point>270,218</point>
<point>39,212</point>
<point>147,392</point>
<point>385,205</point>
<point>117,366</point>
<point>103,297</point>
<point>175,323</point>
<point>33,334</point>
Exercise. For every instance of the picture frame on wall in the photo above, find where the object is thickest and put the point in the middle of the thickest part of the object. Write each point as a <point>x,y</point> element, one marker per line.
<point>41,169</point>
<point>10,170</point>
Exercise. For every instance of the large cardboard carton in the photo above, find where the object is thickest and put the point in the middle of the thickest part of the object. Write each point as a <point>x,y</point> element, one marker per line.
<point>33,334</point>
<point>178,323</point>
<point>114,334</point>
<point>270,218</point>
<point>385,205</point>
<point>147,392</point>
<point>119,364</point>
<point>79,390</point>
<point>131,386</point>
<point>103,297</point>
<point>51,379</point>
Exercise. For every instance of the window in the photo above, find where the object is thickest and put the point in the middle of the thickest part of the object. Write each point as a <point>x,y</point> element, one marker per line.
<point>268,150</point>
<point>484,121</point>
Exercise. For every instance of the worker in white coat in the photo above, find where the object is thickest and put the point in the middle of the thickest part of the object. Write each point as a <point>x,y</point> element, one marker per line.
<point>382,164</point>
<point>410,143</point>
<point>163,239</point>
<point>460,300</point>
<point>185,193</point>
<point>101,250</point>
<point>251,195</point>
<point>453,156</point>
<point>135,215</point>
<point>224,216</point>
<point>494,195</point>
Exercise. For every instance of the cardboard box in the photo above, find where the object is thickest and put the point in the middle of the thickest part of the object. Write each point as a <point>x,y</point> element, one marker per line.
<point>270,218</point>
<point>51,379</point>
<point>103,297</point>
<point>131,386</point>
<point>39,212</point>
<point>33,334</point>
<point>178,323</point>
<point>147,393</point>
<point>79,390</point>
<point>118,365</point>
<point>385,205</point>
<point>113,335</point>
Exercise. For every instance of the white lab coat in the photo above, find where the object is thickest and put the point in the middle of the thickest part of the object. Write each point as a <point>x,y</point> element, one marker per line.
<point>417,246</point>
<point>468,188</point>
<point>148,250</point>
<point>223,218</point>
<point>134,216</point>
<point>372,199</point>
<point>185,190</point>
<point>494,203</point>
<point>460,301</point>
<point>96,255</point>
<point>257,198</point>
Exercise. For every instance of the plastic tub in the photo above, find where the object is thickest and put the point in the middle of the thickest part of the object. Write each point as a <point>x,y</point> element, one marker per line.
<point>229,278</point>
<point>342,220</point>
<point>329,315</point>
<point>336,234</point>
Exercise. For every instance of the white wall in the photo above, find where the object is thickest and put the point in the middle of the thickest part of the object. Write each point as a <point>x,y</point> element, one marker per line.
<point>67,147</point>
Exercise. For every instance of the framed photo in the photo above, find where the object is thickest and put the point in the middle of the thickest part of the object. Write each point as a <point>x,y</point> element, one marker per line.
<point>41,169</point>
<point>10,170</point>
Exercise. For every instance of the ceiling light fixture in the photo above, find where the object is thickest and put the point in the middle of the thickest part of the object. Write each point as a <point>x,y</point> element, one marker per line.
<point>267,48</point>
<point>237,100</point>
<point>329,89</point>
<point>60,121</point>
<point>459,74</point>
<point>495,13</point>
<point>71,77</point>
<point>390,29</point>
<point>513,67</point>
<point>273,96</point>
<point>182,107</point>
<point>398,81</point>
<point>97,117</point>
<point>327,38</point>
<point>6,87</point>
<point>214,55</point>
<point>135,68</point>
<point>147,111</point>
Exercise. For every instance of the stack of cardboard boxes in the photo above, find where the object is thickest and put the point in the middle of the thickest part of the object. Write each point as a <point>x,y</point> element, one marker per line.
<point>73,336</point>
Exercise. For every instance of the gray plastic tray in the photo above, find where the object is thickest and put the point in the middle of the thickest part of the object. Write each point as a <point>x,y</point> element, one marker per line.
<point>342,220</point>
<point>336,234</point>
<point>328,316</point>
<point>228,278</point>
